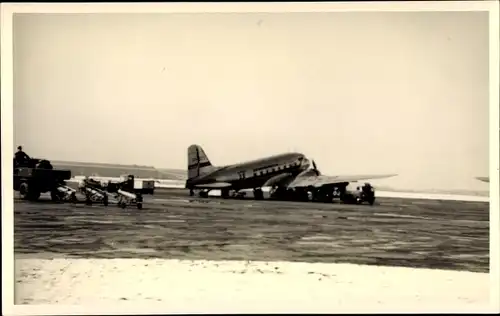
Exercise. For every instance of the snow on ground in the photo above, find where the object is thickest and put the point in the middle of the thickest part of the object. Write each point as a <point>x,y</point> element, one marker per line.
<point>240,286</point>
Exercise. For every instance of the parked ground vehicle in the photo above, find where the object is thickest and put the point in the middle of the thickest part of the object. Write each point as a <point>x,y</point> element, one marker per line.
<point>38,176</point>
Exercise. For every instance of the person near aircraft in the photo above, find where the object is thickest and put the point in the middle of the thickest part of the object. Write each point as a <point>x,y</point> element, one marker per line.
<point>128,185</point>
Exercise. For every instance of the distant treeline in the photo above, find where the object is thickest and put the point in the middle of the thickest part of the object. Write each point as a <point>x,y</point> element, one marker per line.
<point>111,170</point>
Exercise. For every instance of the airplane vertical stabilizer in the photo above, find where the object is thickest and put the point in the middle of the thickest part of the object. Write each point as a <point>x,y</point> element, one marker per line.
<point>198,162</point>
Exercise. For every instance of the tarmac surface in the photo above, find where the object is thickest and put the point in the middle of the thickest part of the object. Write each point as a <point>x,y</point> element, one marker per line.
<point>394,232</point>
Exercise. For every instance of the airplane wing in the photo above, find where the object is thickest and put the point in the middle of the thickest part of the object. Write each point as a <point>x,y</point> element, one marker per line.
<point>319,181</point>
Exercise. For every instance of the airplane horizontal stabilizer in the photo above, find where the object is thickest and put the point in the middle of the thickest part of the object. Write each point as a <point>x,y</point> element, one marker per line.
<point>319,181</point>
<point>215,185</point>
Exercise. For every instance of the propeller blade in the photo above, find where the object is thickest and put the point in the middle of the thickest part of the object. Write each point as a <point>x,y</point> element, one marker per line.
<point>315,168</point>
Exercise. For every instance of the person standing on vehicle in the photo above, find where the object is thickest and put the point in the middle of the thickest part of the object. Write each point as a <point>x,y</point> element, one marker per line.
<point>128,185</point>
<point>20,157</point>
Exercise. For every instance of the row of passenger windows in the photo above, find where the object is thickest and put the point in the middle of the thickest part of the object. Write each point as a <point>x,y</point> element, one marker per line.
<point>261,172</point>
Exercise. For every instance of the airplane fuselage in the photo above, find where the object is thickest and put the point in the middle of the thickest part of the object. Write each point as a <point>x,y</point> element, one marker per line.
<point>253,174</point>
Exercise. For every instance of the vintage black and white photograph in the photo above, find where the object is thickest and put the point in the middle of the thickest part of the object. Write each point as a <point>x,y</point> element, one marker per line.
<point>252,161</point>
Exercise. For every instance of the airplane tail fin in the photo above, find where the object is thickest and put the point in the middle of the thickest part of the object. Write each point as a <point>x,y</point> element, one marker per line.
<point>198,162</point>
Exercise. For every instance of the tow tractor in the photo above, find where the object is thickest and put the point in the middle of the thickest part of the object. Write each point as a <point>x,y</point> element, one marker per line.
<point>38,176</point>
<point>347,193</point>
<point>358,194</point>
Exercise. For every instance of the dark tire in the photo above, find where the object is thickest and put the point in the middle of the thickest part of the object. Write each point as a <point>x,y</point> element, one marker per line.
<point>23,190</point>
<point>29,194</point>
<point>203,194</point>
<point>139,206</point>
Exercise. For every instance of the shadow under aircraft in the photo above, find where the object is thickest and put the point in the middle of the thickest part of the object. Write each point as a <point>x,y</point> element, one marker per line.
<point>290,176</point>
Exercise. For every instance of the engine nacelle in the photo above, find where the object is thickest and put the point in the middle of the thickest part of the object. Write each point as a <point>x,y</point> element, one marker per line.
<point>282,179</point>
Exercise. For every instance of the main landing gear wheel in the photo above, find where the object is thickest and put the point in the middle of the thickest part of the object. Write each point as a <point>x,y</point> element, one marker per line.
<point>280,193</point>
<point>203,194</point>
<point>258,194</point>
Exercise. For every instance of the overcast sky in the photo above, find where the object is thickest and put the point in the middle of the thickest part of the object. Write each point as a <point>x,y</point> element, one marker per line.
<point>360,93</point>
